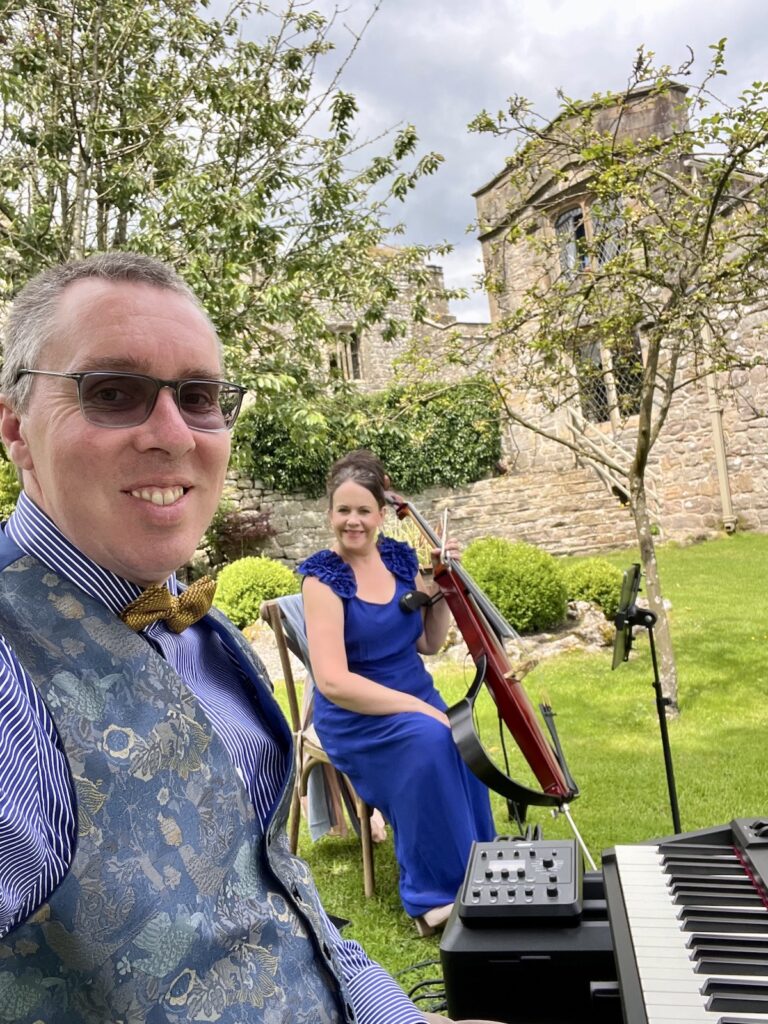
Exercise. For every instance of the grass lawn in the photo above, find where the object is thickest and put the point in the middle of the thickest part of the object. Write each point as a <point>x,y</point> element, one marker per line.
<point>609,729</point>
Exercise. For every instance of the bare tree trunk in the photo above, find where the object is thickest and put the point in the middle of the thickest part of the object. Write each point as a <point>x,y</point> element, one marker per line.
<point>661,633</point>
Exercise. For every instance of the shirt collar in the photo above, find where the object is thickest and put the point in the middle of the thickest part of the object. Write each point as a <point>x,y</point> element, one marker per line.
<point>36,534</point>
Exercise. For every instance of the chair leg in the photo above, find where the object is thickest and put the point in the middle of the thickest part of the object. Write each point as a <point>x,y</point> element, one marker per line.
<point>366,842</point>
<point>294,820</point>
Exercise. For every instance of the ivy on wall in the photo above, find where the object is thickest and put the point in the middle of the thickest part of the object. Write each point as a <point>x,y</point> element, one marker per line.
<point>425,436</point>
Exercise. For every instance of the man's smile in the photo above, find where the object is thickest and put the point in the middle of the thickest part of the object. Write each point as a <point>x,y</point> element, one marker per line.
<point>159,495</point>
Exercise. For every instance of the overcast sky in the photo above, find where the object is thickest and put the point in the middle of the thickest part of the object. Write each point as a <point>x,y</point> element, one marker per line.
<point>437,63</point>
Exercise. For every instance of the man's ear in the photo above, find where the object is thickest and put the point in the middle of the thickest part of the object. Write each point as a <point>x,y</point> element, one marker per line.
<point>12,434</point>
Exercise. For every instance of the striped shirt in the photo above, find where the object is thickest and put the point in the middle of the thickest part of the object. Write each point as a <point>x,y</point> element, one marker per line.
<point>37,815</point>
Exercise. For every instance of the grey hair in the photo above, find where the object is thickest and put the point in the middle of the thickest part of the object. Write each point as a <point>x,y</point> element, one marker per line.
<point>32,319</point>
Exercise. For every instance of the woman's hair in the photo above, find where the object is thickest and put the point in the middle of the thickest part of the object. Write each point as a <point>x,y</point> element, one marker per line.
<point>361,467</point>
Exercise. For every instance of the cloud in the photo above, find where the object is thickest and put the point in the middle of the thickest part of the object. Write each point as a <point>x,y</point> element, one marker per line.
<point>437,63</point>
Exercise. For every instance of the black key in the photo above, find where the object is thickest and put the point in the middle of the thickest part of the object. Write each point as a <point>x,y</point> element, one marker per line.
<point>731,868</point>
<point>688,897</point>
<point>725,884</point>
<point>698,850</point>
<point>741,914</point>
<point>715,950</point>
<point>756,968</point>
<point>707,920</point>
<point>727,941</point>
<point>736,996</point>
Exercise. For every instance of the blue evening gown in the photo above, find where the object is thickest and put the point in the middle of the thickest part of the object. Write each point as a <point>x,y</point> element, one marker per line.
<point>406,764</point>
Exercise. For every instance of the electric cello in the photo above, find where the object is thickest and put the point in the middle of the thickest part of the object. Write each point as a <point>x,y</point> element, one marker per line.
<point>484,630</point>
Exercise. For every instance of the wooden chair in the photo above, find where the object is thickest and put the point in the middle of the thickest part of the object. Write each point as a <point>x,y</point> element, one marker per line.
<point>285,616</point>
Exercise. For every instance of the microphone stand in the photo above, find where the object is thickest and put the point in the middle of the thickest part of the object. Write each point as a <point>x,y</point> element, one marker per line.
<point>635,616</point>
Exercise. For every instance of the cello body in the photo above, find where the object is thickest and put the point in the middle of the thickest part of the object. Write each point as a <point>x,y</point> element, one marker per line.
<point>484,629</point>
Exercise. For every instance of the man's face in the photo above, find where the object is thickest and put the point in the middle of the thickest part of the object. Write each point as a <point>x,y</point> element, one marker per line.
<point>134,499</point>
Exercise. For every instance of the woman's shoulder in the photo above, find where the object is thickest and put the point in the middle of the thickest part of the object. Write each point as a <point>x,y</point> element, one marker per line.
<point>399,558</point>
<point>330,569</point>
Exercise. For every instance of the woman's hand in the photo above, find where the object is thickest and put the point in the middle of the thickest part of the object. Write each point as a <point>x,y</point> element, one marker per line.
<point>439,715</point>
<point>450,551</point>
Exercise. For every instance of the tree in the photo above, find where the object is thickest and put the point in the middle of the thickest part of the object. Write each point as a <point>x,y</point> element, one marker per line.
<point>650,239</point>
<point>155,127</point>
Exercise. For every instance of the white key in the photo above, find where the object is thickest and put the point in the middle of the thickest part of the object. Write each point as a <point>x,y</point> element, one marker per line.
<point>671,990</point>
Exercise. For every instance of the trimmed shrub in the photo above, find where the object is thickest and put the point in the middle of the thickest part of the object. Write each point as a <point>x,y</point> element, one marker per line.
<point>244,584</point>
<point>595,580</point>
<point>525,583</point>
<point>9,488</point>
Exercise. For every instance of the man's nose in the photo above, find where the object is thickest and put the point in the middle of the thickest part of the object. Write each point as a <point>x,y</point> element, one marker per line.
<point>165,426</point>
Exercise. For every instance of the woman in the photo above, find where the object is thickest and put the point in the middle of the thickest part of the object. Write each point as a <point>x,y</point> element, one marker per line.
<point>377,712</point>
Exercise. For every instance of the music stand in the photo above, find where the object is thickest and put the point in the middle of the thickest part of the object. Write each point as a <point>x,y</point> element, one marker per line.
<point>628,616</point>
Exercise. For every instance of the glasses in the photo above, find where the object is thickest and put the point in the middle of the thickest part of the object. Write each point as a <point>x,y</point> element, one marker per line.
<point>127,399</point>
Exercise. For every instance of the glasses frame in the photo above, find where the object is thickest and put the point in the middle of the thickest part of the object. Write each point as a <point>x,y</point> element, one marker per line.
<point>174,385</point>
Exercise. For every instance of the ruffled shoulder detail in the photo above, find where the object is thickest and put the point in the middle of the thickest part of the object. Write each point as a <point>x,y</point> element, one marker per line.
<point>399,558</point>
<point>330,569</point>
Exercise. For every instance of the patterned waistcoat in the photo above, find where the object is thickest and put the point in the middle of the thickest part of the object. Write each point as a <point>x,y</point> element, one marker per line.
<point>176,907</point>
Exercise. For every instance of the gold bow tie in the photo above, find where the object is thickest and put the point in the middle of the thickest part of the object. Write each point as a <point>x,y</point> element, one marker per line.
<point>158,603</point>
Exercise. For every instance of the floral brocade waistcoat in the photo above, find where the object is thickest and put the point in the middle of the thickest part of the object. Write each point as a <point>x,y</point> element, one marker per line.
<point>176,907</point>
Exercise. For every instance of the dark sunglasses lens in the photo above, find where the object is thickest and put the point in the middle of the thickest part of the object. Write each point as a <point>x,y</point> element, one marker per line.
<point>108,400</point>
<point>208,404</point>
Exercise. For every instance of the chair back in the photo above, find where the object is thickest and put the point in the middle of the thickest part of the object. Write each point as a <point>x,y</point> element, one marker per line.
<point>271,614</point>
<point>327,791</point>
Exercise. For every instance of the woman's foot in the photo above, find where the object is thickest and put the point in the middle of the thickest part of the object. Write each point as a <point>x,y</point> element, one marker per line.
<point>378,826</point>
<point>433,920</point>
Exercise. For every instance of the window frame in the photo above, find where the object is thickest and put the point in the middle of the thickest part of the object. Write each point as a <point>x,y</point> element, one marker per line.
<point>345,358</point>
<point>573,247</point>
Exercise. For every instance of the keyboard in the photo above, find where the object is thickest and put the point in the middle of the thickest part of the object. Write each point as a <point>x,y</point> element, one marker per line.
<point>689,925</point>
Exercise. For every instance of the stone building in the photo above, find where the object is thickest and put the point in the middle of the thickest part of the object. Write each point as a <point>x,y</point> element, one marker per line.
<point>370,359</point>
<point>708,470</point>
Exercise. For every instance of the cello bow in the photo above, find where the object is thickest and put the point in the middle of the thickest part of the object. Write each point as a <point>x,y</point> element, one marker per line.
<point>484,630</point>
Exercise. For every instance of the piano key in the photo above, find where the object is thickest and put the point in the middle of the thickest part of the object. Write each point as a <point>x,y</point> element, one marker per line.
<point>745,914</point>
<point>742,967</point>
<point>708,921</point>
<point>674,849</point>
<point>697,939</point>
<point>695,897</point>
<point>733,869</point>
<point>740,996</point>
<point>671,989</point>
<point>714,947</point>
<point>722,859</point>
<point>702,883</point>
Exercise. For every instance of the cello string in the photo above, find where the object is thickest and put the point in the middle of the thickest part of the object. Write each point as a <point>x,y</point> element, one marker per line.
<point>444,537</point>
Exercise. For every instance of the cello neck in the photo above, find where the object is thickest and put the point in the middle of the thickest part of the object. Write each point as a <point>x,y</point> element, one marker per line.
<point>496,621</point>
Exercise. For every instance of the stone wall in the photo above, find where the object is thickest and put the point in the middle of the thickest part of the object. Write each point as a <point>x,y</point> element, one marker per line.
<point>547,498</point>
<point>565,513</point>
<point>379,355</point>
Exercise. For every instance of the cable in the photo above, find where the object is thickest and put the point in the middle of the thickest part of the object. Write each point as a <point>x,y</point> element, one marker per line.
<point>428,991</point>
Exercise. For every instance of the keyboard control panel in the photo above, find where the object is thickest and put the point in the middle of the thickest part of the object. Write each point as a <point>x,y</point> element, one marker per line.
<point>517,881</point>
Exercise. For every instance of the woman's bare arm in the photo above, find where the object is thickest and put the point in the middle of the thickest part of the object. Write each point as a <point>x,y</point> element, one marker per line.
<point>324,616</point>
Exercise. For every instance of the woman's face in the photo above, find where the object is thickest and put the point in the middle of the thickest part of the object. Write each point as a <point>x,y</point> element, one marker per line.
<point>355,518</point>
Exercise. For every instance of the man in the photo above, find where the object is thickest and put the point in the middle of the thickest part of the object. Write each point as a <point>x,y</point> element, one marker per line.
<point>145,769</point>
